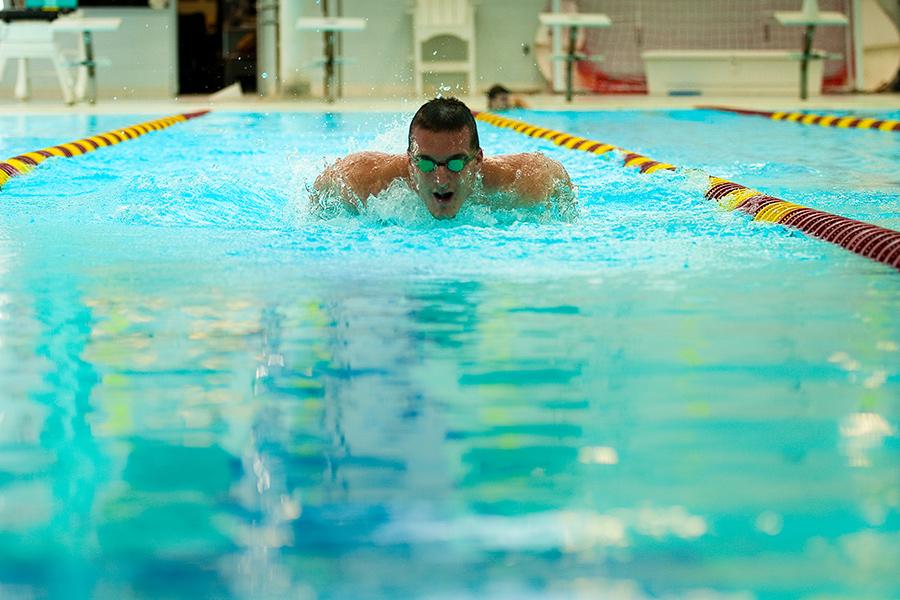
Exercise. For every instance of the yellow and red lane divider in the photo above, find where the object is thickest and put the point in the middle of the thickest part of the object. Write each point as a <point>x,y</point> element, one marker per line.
<point>23,163</point>
<point>849,122</point>
<point>872,241</point>
<point>573,142</point>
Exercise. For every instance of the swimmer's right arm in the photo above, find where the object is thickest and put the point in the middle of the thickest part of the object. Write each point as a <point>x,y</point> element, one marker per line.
<point>333,183</point>
<point>355,177</point>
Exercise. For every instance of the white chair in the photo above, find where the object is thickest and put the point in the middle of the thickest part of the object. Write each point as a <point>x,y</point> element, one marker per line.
<point>432,18</point>
<point>27,40</point>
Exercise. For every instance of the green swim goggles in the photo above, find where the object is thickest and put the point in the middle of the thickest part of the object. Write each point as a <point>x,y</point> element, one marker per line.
<point>454,164</point>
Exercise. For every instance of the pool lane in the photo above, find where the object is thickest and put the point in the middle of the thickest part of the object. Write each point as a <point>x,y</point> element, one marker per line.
<point>23,163</point>
<point>871,241</point>
<point>803,118</point>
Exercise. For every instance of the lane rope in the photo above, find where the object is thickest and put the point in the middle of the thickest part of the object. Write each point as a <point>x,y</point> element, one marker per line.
<point>848,122</point>
<point>872,241</point>
<point>23,163</point>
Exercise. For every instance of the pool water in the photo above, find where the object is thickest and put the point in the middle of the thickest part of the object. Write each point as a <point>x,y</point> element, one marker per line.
<point>209,392</point>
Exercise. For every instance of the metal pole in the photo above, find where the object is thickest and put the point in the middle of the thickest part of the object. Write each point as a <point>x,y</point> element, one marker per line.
<point>329,57</point>
<point>570,61</point>
<point>90,65</point>
<point>329,66</point>
<point>339,48</point>
<point>856,37</point>
<point>804,62</point>
<point>556,51</point>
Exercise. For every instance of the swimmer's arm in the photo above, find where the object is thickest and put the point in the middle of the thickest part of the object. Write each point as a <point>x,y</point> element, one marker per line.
<point>549,178</point>
<point>355,177</point>
<point>334,182</point>
<point>531,178</point>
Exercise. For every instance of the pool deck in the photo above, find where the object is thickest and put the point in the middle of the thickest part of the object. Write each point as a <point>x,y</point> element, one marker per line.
<point>249,103</point>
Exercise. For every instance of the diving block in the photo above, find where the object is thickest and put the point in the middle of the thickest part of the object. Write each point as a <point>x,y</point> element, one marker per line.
<point>800,18</point>
<point>810,17</point>
<point>573,21</point>
<point>330,26</point>
<point>86,83</point>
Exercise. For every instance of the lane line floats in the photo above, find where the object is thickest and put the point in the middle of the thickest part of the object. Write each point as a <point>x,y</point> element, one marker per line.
<point>872,241</point>
<point>23,163</point>
<point>811,119</point>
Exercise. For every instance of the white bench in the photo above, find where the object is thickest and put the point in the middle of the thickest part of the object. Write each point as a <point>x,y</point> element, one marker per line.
<point>729,72</point>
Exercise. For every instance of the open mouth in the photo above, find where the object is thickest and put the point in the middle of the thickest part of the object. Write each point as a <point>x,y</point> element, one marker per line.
<point>443,197</point>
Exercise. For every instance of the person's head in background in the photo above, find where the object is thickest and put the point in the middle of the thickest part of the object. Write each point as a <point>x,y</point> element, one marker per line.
<point>499,98</point>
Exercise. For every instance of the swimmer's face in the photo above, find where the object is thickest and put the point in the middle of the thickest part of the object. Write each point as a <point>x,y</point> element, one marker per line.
<point>499,102</point>
<point>442,190</point>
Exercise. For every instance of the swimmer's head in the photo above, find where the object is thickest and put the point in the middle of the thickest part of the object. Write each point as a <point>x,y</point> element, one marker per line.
<point>444,155</point>
<point>498,98</point>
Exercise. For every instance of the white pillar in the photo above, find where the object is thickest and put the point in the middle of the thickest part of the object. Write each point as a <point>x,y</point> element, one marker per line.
<point>267,76</point>
<point>294,74</point>
<point>859,83</point>
<point>556,65</point>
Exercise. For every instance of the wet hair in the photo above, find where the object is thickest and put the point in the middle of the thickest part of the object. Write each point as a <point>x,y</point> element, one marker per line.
<point>496,90</point>
<point>445,114</point>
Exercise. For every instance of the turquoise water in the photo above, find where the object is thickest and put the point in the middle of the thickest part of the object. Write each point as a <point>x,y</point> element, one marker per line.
<point>209,393</point>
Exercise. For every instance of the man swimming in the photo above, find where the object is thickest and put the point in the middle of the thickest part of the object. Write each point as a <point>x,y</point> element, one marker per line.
<point>500,98</point>
<point>444,165</point>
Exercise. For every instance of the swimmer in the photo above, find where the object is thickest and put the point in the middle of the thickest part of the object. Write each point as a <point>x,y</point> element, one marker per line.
<point>444,166</point>
<point>500,98</point>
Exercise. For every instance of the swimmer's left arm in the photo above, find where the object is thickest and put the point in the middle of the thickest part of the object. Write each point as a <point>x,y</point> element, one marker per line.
<point>532,178</point>
<point>552,179</point>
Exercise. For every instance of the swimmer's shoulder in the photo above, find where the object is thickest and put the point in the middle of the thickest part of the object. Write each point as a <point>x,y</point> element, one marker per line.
<point>531,173</point>
<point>370,163</point>
<point>369,173</point>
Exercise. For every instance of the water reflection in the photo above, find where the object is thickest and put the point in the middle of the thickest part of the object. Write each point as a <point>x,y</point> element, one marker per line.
<point>372,438</point>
